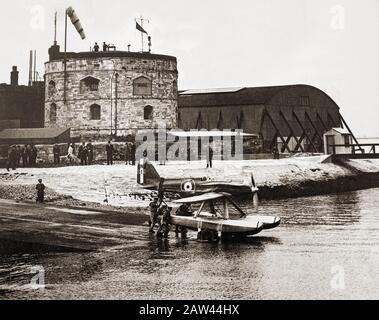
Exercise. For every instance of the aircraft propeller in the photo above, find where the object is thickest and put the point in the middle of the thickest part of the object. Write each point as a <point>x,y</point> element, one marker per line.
<point>254,190</point>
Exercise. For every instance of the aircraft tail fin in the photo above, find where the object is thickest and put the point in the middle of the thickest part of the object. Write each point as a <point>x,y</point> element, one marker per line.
<point>147,174</point>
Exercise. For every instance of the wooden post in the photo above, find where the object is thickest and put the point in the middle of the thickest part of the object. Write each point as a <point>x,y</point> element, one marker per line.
<point>200,210</point>
<point>291,132</point>
<point>65,59</point>
<point>115,105</point>
<point>304,131</point>
<point>352,134</point>
<point>322,122</point>
<point>277,130</point>
<point>314,128</point>
<point>226,209</point>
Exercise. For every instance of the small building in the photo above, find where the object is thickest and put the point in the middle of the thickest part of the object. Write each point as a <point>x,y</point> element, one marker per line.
<point>21,106</point>
<point>45,136</point>
<point>338,141</point>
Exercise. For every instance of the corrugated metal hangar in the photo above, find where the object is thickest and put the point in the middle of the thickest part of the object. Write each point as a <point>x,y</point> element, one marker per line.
<point>292,118</point>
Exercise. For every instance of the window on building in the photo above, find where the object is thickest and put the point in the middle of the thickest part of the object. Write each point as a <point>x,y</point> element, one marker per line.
<point>148,113</point>
<point>292,101</point>
<point>89,84</point>
<point>51,88</point>
<point>142,86</point>
<point>53,113</point>
<point>95,112</point>
<point>304,101</point>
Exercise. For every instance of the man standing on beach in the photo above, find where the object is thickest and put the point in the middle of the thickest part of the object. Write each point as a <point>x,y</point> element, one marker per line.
<point>19,155</point>
<point>90,152</point>
<point>133,149</point>
<point>71,153</point>
<point>40,191</point>
<point>128,159</point>
<point>57,154</point>
<point>29,154</point>
<point>154,207</point>
<point>164,228</point>
<point>110,151</point>
<point>210,158</point>
<point>83,154</point>
<point>12,158</point>
<point>276,154</point>
<point>24,156</point>
<point>34,156</point>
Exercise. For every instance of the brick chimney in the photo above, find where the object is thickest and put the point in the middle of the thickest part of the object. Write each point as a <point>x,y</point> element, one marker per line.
<point>14,76</point>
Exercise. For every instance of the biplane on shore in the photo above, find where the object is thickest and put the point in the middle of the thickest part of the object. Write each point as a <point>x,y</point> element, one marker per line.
<point>204,194</point>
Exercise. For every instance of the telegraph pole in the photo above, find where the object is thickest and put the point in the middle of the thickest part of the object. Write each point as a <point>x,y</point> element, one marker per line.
<point>65,59</point>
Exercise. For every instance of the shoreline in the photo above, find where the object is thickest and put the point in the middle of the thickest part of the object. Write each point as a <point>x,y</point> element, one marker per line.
<point>357,182</point>
<point>88,187</point>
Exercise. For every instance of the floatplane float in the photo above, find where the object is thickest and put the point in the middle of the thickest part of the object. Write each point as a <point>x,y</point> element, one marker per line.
<point>213,224</point>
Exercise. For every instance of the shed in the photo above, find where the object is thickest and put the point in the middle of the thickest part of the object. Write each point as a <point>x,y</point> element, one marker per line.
<point>35,136</point>
<point>338,141</point>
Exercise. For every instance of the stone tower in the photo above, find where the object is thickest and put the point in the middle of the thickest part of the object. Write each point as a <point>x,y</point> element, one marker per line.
<point>110,92</point>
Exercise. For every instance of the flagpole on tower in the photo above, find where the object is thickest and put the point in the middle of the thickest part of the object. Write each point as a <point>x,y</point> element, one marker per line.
<point>141,29</point>
<point>142,34</point>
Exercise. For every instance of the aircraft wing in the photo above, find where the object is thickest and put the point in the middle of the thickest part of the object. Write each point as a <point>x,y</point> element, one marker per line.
<point>202,198</point>
<point>223,184</point>
<point>149,187</point>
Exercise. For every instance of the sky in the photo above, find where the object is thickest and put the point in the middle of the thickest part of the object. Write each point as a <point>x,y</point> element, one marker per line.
<point>330,44</point>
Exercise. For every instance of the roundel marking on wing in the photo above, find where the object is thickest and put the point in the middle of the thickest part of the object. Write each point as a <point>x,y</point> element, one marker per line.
<point>188,186</point>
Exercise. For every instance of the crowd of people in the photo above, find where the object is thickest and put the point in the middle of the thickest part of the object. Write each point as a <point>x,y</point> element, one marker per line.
<point>86,155</point>
<point>25,156</point>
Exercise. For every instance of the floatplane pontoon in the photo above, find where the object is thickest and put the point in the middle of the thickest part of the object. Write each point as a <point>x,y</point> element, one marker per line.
<point>214,225</point>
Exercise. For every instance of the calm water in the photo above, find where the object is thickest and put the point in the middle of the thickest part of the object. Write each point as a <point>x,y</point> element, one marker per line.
<point>319,237</point>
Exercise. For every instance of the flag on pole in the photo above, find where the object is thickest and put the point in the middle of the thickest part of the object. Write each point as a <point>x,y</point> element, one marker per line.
<point>139,28</point>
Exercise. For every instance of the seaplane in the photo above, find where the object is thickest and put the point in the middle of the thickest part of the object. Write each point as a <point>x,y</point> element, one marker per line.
<point>149,179</point>
<point>224,218</point>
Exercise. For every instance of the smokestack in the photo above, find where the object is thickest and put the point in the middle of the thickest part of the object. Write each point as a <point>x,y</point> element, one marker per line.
<point>14,76</point>
<point>35,67</point>
<point>30,68</point>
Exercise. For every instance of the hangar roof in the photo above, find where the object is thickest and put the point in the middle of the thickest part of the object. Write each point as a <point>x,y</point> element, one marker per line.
<point>239,96</point>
